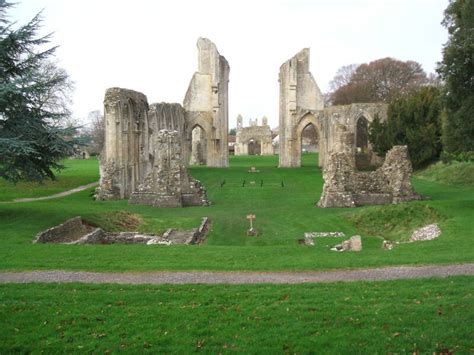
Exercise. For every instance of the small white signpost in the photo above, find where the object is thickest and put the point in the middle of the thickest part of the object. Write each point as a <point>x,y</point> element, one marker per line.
<point>251,231</point>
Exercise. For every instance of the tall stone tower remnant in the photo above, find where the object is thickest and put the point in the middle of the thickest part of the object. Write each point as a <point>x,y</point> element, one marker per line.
<point>206,104</point>
<point>299,98</point>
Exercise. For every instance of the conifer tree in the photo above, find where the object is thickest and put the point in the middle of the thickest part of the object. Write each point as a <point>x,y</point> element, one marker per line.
<point>34,95</point>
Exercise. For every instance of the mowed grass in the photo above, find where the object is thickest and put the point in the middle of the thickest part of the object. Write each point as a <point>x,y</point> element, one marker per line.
<point>77,172</point>
<point>406,316</point>
<point>283,215</point>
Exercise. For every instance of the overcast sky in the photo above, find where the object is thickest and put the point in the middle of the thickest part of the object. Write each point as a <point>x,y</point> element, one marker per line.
<point>150,45</point>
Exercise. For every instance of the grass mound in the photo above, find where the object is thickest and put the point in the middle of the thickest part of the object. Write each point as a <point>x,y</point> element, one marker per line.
<point>116,221</point>
<point>393,222</point>
<point>455,173</point>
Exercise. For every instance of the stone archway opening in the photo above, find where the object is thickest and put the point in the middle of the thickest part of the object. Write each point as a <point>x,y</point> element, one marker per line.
<point>254,147</point>
<point>362,156</point>
<point>309,140</point>
<point>198,146</point>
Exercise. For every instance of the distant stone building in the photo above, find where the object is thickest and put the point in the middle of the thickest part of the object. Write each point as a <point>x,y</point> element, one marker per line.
<point>254,139</point>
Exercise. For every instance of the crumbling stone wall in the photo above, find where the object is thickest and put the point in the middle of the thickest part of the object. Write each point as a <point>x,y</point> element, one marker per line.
<point>346,187</point>
<point>206,104</point>
<point>261,135</point>
<point>168,183</point>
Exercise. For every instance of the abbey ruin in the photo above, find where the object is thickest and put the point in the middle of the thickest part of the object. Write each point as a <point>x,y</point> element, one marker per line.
<point>148,147</point>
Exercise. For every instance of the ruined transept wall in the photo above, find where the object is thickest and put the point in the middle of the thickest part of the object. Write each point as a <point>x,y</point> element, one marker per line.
<point>299,94</point>
<point>301,104</point>
<point>206,103</point>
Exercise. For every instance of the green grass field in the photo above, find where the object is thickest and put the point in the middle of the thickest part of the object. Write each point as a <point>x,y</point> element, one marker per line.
<point>76,173</point>
<point>283,215</point>
<point>405,316</point>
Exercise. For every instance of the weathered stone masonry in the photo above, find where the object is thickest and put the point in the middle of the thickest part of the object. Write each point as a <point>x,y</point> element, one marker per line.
<point>339,128</point>
<point>389,184</point>
<point>206,104</point>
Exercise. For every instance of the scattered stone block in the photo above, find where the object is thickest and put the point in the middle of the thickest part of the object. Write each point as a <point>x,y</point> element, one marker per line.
<point>428,232</point>
<point>352,244</point>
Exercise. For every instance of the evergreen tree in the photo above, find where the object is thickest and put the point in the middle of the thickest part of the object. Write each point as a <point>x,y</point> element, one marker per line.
<point>33,102</point>
<point>414,121</point>
<point>457,71</point>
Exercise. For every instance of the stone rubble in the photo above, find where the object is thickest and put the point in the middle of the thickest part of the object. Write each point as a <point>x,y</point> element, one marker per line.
<point>428,232</point>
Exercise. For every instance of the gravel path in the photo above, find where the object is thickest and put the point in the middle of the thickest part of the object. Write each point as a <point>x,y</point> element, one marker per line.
<point>386,273</point>
<point>58,195</point>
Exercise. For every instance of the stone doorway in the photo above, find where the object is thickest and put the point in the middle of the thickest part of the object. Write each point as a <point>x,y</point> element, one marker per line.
<point>254,147</point>
<point>198,146</point>
<point>362,156</point>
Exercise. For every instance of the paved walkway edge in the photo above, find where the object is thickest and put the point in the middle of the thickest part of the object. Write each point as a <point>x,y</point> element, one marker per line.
<point>58,195</point>
<point>376,274</point>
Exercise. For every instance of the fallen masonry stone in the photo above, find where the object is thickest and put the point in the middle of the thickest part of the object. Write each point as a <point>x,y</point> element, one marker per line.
<point>387,245</point>
<point>428,232</point>
<point>352,244</point>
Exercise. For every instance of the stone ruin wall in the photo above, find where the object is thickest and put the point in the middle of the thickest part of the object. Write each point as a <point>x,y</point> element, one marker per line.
<point>299,94</point>
<point>124,161</point>
<point>389,184</point>
<point>301,104</point>
<point>261,134</point>
<point>143,153</point>
<point>168,183</point>
<point>206,104</point>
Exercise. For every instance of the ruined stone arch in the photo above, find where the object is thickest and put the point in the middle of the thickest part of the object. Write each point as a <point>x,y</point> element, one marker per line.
<point>307,119</point>
<point>197,152</point>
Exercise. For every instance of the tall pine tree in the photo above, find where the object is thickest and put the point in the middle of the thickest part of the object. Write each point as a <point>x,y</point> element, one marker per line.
<point>457,71</point>
<point>33,103</point>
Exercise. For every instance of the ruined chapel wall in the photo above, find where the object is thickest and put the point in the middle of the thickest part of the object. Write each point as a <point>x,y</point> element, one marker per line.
<point>124,160</point>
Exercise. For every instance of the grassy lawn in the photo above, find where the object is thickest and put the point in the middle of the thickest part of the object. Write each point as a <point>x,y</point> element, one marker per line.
<point>283,215</point>
<point>76,173</point>
<point>405,316</point>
